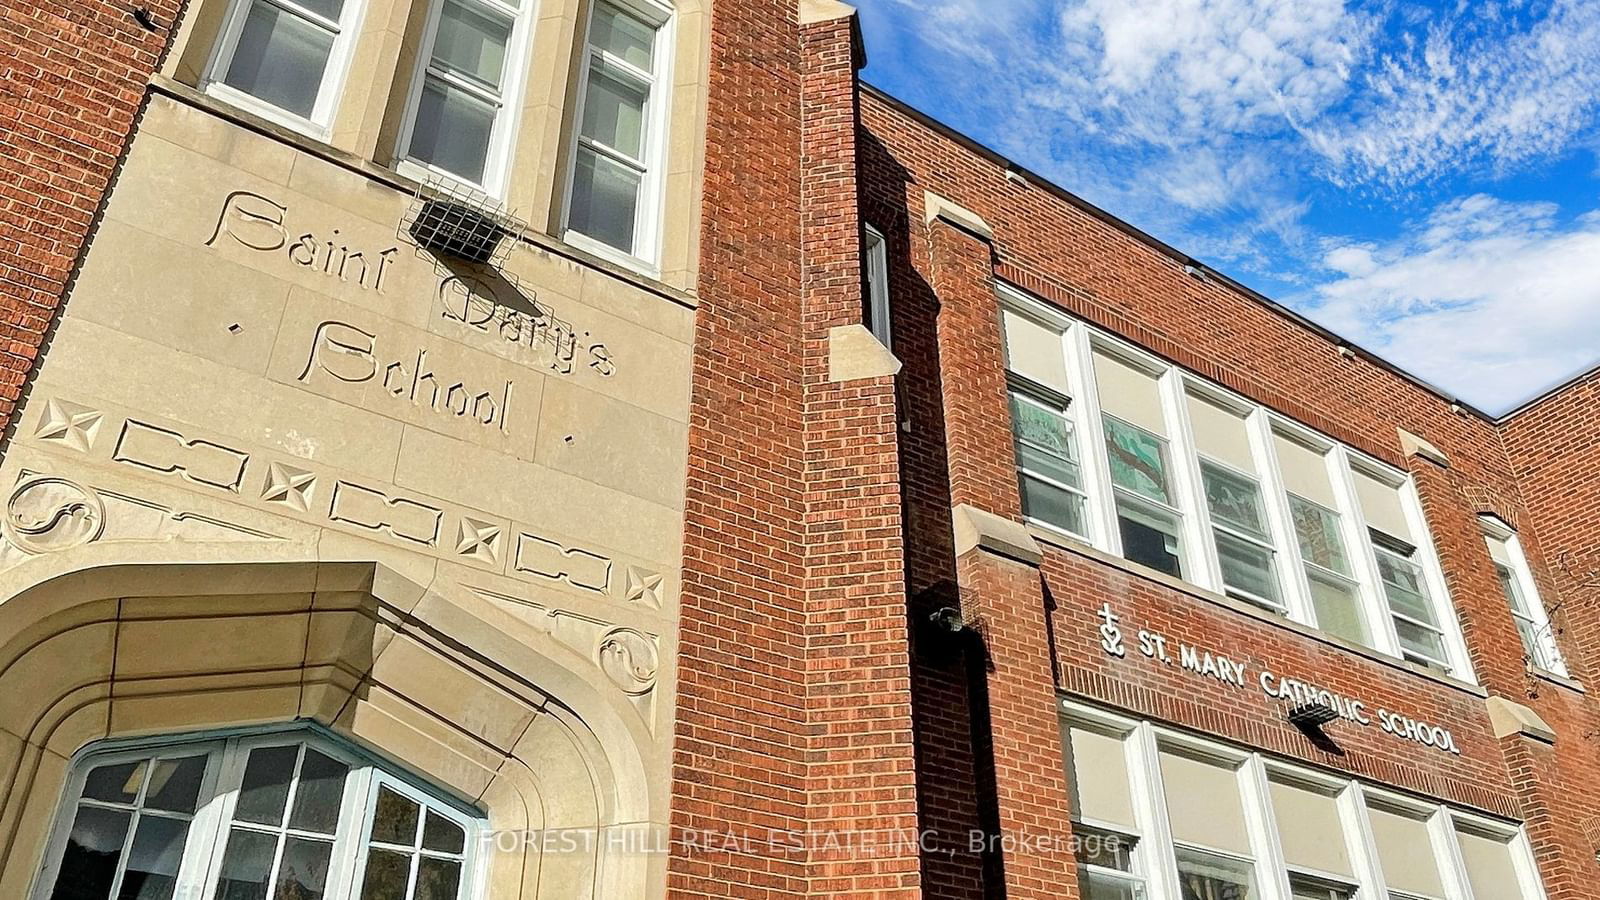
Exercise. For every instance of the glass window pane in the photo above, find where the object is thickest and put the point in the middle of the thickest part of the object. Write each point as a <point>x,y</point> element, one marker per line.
<point>1247,567</point>
<point>1234,500</point>
<point>1530,640</point>
<point>115,783</point>
<point>1110,887</point>
<point>246,866</point>
<point>395,820</point>
<point>327,8</point>
<point>1403,585</point>
<point>1338,607</point>
<point>94,849</point>
<point>472,44</point>
<point>175,784</point>
<point>303,874</point>
<point>1138,460</point>
<point>1317,530</point>
<point>280,59</point>
<point>388,875</point>
<point>1048,503</point>
<point>622,35</point>
<point>266,785</point>
<point>443,835</point>
<point>153,861</point>
<point>1202,876</point>
<point>1150,537</point>
<point>1047,430</point>
<point>613,112</point>
<point>438,879</point>
<point>318,795</point>
<point>1419,640</point>
<point>1508,585</point>
<point>1049,465</point>
<point>452,130</point>
<point>605,200</point>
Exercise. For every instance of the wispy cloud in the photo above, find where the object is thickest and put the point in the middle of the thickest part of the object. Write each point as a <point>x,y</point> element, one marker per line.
<point>1490,299</point>
<point>1219,124</point>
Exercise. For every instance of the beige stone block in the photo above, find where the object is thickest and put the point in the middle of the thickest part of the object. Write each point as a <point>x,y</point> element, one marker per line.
<point>203,646</point>
<point>854,352</point>
<point>277,417</point>
<point>399,578</point>
<point>612,443</point>
<point>562,772</point>
<point>365,197</point>
<point>27,817</point>
<point>977,529</point>
<point>565,875</point>
<point>936,207</point>
<point>326,692</point>
<point>214,605</point>
<point>350,639</point>
<point>151,287</point>
<point>361,360</point>
<point>82,718</point>
<point>445,689</point>
<point>444,755</point>
<point>1509,717</point>
<point>165,705</point>
<point>554,503</point>
<point>53,666</point>
<point>199,131</point>
<point>669,317</point>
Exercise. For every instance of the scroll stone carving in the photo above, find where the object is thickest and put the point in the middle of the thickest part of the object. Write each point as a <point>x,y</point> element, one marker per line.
<point>628,658</point>
<point>69,424</point>
<point>166,451</point>
<point>45,514</point>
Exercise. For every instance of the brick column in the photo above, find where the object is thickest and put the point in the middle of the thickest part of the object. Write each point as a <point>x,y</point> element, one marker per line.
<point>72,76</point>
<point>1000,590</point>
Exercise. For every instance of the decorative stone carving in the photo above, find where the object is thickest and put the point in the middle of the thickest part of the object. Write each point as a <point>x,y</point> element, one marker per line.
<point>45,513</point>
<point>548,559</point>
<point>642,586</point>
<point>69,425</point>
<point>375,511</point>
<point>628,658</point>
<point>478,540</point>
<point>166,451</point>
<point>290,486</point>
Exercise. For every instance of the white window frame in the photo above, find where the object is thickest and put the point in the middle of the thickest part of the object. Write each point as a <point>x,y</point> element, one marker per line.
<point>875,260</point>
<point>1142,741</point>
<point>1547,653</point>
<point>503,134</point>
<point>320,122</point>
<point>646,256</point>
<point>1032,393</point>
<point>1200,561</point>
<point>207,838</point>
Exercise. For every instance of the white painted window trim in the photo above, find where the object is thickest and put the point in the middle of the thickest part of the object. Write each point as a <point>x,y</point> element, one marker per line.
<point>503,134</point>
<point>1548,652</point>
<point>646,257</point>
<point>1142,741</point>
<point>875,260</point>
<point>346,30</point>
<point>207,838</point>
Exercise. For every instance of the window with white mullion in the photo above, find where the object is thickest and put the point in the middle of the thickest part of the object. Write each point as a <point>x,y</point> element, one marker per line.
<point>1427,557</point>
<point>613,191</point>
<point>1206,560</point>
<point>1296,591</point>
<point>1091,424</point>
<point>1148,490</point>
<point>285,59</point>
<point>1379,617</point>
<point>458,122</point>
<point>1049,469</point>
<point>1522,595</point>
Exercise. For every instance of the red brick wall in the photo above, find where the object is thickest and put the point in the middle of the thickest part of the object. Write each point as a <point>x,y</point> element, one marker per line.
<point>1100,271</point>
<point>72,76</point>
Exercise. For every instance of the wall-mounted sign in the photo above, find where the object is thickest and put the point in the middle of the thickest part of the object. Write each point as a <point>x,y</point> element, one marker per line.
<point>1291,691</point>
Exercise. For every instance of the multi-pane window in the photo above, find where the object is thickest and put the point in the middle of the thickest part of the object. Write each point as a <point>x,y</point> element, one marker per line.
<point>876,269</point>
<point>1145,461</point>
<point>285,58</point>
<point>275,817</point>
<point>1522,597</point>
<point>1139,457</point>
<point>1234,825</point>
<point>615,167</point>
<point>462,105</point>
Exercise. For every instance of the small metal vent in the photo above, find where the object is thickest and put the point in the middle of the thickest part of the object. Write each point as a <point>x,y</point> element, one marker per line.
<point>449,220</point>
<point>1312,715</point>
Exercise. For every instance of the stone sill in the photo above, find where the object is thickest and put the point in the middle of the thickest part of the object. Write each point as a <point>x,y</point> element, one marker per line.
<point>1556,679</point>
<point>1060,541</point>
<point>189,96</point>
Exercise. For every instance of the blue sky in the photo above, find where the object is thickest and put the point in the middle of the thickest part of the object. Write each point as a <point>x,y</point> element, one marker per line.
<point>1423,179</point>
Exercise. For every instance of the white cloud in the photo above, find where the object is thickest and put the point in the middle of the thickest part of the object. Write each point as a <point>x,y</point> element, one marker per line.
<point>1491,300</point>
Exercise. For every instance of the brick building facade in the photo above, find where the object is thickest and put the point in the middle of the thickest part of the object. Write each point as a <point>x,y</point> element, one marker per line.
<point>860,516</point>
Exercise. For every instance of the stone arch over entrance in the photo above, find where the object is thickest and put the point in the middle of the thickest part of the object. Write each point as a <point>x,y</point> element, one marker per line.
<point>95,645</point>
